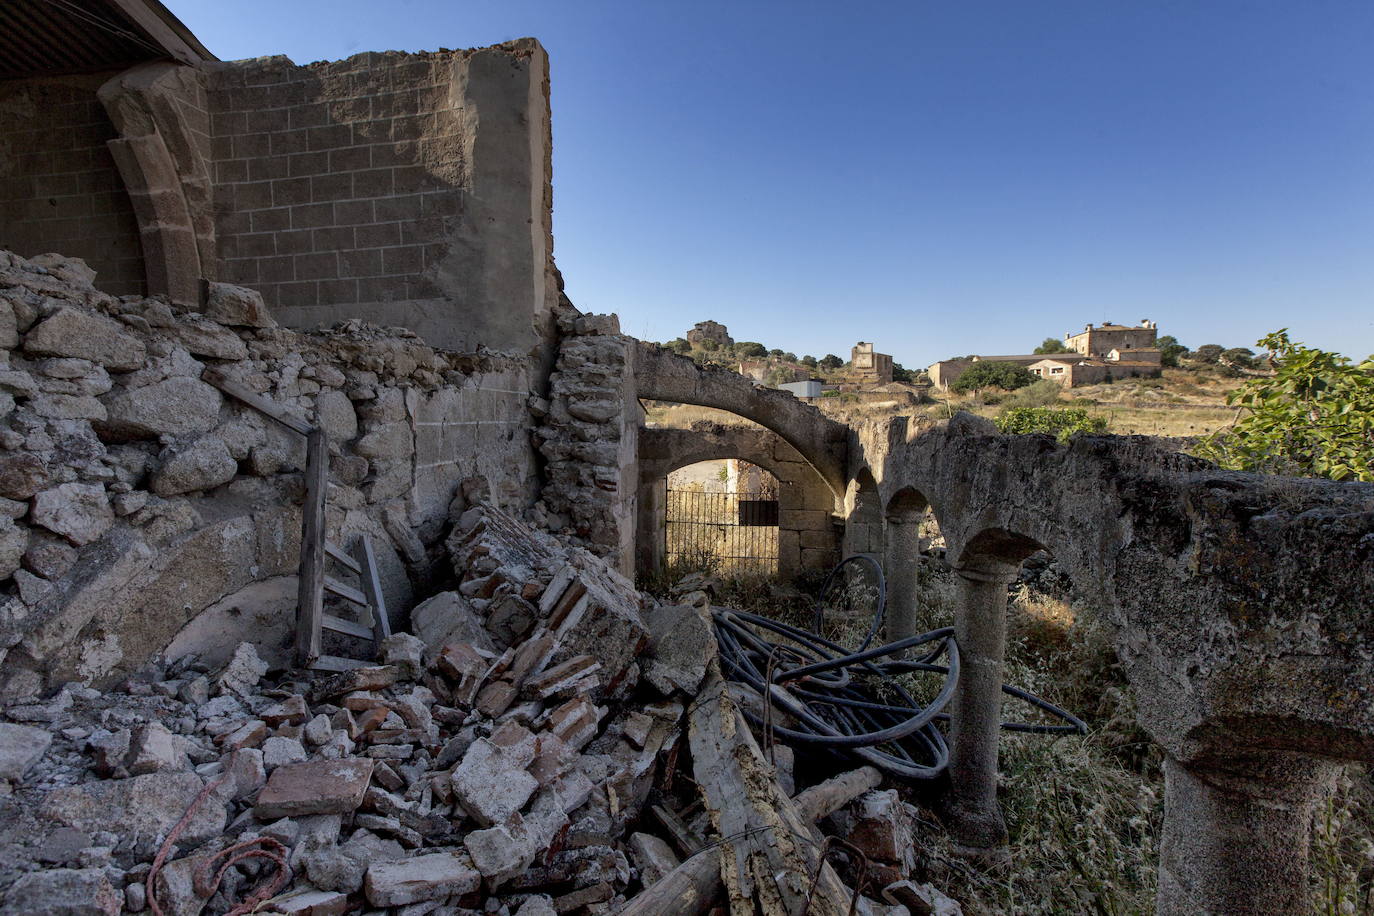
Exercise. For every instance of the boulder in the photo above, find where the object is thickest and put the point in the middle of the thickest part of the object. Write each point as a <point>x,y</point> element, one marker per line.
<point>681,640</point>
<point>428,877</point>
<point>21,475</point>
<point>14,541</point>
<point>242,672</point>
<point>202,465</point>
<point>448,618</point>
<point>144,807</point>
<point>179,406</point>
<point>236,306</point>
<point>73,332</point>
<point>80,512</point>
<point>63,892</point>
<point>21,746</point>
<point>205,338</point>
<point>317,787</point>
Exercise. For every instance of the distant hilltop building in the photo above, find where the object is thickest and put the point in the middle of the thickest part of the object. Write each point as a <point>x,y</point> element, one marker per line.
<point>1101,341</point>
<point>1095,354</point>
<point>710,330</point>
<point>870,366</point>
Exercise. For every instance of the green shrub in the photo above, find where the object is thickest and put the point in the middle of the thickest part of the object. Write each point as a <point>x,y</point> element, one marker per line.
<point>984,374</point>
<point>1313,418</point>
<point>1039,394</point>
<point>1063,423</point>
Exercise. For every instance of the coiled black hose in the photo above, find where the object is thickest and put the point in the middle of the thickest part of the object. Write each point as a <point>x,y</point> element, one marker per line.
<point>850,702</point>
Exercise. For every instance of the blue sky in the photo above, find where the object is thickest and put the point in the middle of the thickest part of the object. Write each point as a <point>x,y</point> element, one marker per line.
<point>941,178</point>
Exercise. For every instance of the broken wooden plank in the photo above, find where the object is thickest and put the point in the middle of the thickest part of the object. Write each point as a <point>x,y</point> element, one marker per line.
<point>372,589</point>
<point>340,556</point>
<point>346,592</point>
<point>694,885</point>
<point>347,627</point>
<point>768,854</point>
<point>310,588</point>
<point>265,406</point>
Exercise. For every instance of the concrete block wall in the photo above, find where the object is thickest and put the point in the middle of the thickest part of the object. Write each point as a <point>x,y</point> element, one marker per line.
<point>59,188</point>
<point>405,189</point>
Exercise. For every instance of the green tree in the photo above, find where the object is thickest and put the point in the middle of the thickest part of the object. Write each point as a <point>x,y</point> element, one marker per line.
<point>1170,350</point>
<point>1208,353</point>
<point>900,373</point>
<point>1313,418</point>
<point>1051,345</point>
<point>679,345</point>
<point>986,374</point>
<point>808,361</point>
<point>1062,423</point>
<point>775,353</point>
<point>709,345</point>
<point>831,362</point>
<point>789,357</point>
<point>749,349</point>
<point>1240,357</point>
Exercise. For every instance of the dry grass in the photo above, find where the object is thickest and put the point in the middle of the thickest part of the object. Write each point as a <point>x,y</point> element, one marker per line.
<point>1083,813</point>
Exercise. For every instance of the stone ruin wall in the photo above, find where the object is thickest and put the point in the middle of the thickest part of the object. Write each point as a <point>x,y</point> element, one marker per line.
<point>136,496</point>
<point>59,187</point>
<point>404,189</point>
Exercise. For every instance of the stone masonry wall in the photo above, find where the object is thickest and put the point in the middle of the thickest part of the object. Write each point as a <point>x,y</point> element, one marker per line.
<point>59,188</point>
<point>588,438</point>
<point>401,188</point>
<point>140,507</point>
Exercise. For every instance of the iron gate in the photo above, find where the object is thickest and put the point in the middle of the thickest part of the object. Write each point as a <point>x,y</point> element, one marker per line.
<point>734,532</point>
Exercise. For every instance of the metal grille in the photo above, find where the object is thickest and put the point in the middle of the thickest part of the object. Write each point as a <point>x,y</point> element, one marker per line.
<point>731,532</point>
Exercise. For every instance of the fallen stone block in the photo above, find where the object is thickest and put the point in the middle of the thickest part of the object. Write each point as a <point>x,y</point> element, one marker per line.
<point>653,857</point>
<point>428,877</point>
<point>570,678</point>
<point>63,892</point>
<point>448,617</point>
<point>406,653</point>
<point>152,748</point>
<point>491,782</point>
<point>308,901</point>
<point>467,667</point>
<point>242,672</point>
<point>143,806</point>
<point>21,746</point>
<point>681,641</point>
<point>316,787</point>
<point>236,306</point>
<point>375,677</point>
<point>921,899</point>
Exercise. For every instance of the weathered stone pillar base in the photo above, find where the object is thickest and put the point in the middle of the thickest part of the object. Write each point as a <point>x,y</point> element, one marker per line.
<point>1237,832</point>
<point>975,819</point>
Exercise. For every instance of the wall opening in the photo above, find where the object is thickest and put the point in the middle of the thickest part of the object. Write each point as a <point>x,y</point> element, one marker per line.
<point>722,516</point>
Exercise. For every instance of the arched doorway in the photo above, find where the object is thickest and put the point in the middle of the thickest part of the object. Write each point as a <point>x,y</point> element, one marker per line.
<point>721,516</point>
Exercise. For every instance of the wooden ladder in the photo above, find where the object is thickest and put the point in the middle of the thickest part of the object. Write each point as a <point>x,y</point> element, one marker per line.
<point>317,550</point>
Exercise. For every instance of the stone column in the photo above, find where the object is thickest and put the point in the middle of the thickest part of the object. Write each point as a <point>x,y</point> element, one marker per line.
<point>975,819</point>
<point>902,562</point>
<point>1237,832</point>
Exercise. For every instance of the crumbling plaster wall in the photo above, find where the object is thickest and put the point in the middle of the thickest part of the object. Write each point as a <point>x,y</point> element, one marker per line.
<point>59,187</point>
<point>136,496</point>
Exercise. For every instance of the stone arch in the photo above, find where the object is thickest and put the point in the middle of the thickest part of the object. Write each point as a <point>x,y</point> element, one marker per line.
<point>662,375</point>
<point>863,529</point>
<point>806,532</point>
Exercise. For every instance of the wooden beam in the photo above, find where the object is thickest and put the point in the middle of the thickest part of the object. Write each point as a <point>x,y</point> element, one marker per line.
<point>310,585</point>
<point>372,588</point>
<point>768,854</point>
<point>140,13</point>
<point>265,406</point>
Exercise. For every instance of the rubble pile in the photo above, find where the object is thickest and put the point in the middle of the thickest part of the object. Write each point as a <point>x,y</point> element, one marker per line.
<point>524,752</point>
<point>125,471</point>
